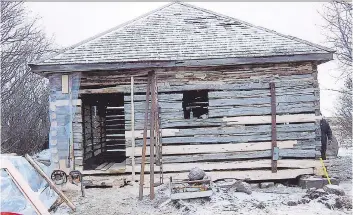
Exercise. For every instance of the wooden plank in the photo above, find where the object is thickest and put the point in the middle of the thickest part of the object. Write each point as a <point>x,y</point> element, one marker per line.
<point>273,127</point>
<point>102,165</point>
<point>144,140</point>
<point>237,165</point>
<point>107,166</point>
<point>133,128</point>
<point>51,184</point>
<point>215,148</point>
<point>25,189</point>
<point>152,131</point>
<point>64,84</point>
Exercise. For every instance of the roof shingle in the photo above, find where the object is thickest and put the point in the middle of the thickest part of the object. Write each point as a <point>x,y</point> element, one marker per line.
<point>181,31</point>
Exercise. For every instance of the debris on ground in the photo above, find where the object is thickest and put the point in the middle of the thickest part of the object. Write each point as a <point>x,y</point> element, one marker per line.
<point>334,189</point>
<point>241,186</point>
<point>267,184</point>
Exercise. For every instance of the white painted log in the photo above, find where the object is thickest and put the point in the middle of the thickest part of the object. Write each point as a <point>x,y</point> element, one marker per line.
<point>235,165</point>
<point>214,148</point>
<point>246,175</point>
<point>267,119</point>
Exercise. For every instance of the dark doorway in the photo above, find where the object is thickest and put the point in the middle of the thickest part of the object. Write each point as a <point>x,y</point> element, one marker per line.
<point>103,130</point>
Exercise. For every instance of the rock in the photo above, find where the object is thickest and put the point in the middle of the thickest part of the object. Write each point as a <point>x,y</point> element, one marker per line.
<point>315,193</point>
<point>260,205</point>
<point>267,184</point>
<point>334,189</point>
<point>241,186</point>
<point>292,203</point>
<point>280,185</point>
<point>343,202</point>
<point>254,186</point>
<point>196,174</point>
<point>207,177</point>
<point>304,201</point>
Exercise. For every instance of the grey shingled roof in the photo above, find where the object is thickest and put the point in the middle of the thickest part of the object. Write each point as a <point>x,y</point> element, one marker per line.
<point>181,31</point>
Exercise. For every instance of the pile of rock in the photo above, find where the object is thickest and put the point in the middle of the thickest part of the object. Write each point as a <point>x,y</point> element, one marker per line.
<point>332,196</point>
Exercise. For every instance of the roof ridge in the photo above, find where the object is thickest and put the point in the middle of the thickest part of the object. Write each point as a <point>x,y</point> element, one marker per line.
<point>104,33</point>
<point>258,27</point>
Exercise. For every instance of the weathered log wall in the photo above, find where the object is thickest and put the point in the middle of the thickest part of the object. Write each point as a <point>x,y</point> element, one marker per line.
<point>238,113</point>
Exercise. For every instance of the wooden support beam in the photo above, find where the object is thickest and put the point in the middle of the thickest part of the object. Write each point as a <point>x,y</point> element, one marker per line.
<point>25,189</point>
<point>152,132</point>
<point>144,140</point>
<point>274,148</point>
<point>50,182</point>
<point>132,129</point>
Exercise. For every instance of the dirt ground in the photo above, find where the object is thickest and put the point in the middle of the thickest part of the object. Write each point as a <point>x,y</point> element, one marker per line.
<point>271,200</point>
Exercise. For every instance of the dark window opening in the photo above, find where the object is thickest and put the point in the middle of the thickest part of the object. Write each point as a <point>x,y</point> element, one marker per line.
<point>195,104</point>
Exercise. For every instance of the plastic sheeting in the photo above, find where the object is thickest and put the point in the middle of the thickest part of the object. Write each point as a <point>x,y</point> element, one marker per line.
<point>12,199</point>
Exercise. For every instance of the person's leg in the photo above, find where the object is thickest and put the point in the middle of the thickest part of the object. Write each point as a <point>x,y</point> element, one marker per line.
<point>323,149</point>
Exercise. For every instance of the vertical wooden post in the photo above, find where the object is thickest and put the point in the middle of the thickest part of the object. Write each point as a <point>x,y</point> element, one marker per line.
<point>71,138</point>
<point>132,129</point>
<point>152,133</point>
<point>143,158</point>
<point>274,149</point>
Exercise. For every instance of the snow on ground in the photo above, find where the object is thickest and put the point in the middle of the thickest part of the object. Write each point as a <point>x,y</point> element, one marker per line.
<point>273,201</point>
<point>124,200</point>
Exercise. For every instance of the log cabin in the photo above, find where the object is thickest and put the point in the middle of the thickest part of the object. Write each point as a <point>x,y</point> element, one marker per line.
<point>206,90</point>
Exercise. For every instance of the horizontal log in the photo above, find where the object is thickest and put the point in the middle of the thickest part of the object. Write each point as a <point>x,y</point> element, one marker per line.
<point>161,97</point>
<point>233,165</point>
<point>203,85</point>
<point>282,108</point>
<point>261,100</point>
<point>234,130</point>
<point>260,93</point>
<point>233,156</point>
<point>281,136</point>
<point>248,120</point>
<point>213,148</point>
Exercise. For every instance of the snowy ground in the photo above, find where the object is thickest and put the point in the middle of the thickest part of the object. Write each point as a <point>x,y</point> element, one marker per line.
<point>262,201</point>
<point>272,200</point>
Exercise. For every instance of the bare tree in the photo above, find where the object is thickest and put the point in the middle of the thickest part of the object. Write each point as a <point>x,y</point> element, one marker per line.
<point>338,16</point>
<point>24,95</point>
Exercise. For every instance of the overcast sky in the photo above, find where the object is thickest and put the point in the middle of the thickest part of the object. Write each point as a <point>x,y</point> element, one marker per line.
<point>71,22</point>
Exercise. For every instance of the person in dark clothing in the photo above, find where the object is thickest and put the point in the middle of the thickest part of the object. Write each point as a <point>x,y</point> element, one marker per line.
<point>326,134</point>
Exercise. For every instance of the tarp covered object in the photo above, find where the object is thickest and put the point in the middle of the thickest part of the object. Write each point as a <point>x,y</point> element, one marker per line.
<point>12,200</point>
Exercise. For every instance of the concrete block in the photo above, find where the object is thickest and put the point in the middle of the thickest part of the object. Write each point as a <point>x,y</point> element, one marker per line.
<point>311,182</point>
<point>334,181</point>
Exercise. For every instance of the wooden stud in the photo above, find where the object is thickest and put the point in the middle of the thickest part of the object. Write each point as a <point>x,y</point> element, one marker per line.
<point>144,140</point>
<point>132,129</point>
<point>152,133</point>
<point>273,131</point>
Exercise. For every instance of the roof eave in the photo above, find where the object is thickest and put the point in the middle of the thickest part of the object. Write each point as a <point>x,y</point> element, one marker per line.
<point>85,67</point>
